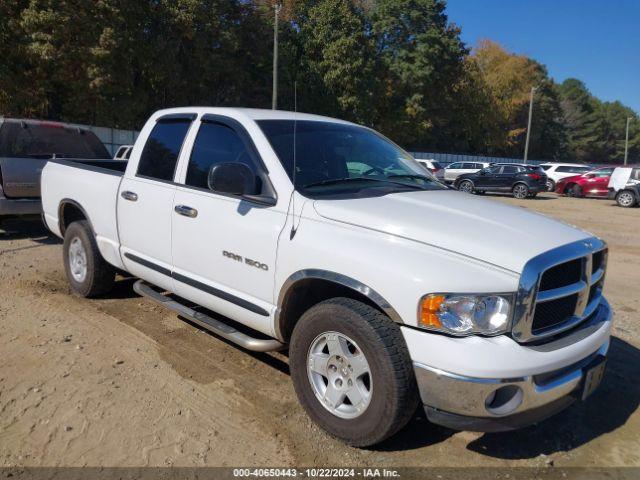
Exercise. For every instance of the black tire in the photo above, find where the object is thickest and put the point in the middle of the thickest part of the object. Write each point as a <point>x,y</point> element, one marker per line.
<point>100,276</point>
<point>576,191</point>
<point>394,394</point>
<point>626,199</point>
<point>520,190</point>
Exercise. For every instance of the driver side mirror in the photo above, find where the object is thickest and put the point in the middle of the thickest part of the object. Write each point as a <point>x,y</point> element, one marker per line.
<point>232,178</point>
<point>590,175</point>
<point>482,172</point>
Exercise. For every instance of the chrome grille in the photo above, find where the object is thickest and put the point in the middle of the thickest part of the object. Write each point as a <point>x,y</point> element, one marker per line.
<point>552,313</point>
<point>562,275</point>
<point>559,289</point>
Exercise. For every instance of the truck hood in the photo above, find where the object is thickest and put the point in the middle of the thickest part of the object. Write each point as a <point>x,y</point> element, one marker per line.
<point>484,229</point>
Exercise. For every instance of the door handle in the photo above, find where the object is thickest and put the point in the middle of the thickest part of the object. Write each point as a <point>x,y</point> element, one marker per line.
<point>131,196</point>
<point>186,211</point>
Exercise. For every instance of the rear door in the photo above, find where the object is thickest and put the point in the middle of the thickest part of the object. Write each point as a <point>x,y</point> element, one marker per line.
<point>507,176</point>
<point>452,172</point>
<point>145,202</point>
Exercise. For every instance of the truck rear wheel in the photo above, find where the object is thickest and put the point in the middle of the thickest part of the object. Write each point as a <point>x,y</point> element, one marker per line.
<point>625,199</point>
<point>88,273</point>
<point>352,372</point>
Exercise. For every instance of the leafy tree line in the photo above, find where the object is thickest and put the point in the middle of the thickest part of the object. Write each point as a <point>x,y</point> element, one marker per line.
<point>396,65</point>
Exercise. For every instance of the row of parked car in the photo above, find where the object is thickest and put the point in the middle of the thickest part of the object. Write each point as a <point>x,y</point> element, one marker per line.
<point>621,183</point>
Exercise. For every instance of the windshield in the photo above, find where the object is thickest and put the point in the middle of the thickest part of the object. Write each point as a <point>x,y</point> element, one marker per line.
<point>335,158</point>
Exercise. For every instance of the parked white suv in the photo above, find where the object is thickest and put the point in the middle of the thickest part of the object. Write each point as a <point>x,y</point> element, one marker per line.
<point>324,238</point>
<point>558,171</point>
<point>433,166</point>
<point>454,170</point>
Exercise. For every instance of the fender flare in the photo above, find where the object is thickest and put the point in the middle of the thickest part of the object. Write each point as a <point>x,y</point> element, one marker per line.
<point>68,201</point>
<point>339,279</point>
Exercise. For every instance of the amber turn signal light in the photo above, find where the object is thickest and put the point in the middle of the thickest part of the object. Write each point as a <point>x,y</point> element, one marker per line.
<point>429,309</point>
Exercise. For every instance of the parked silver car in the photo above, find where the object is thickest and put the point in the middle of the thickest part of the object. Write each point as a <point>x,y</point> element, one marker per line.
<point>454,170</point>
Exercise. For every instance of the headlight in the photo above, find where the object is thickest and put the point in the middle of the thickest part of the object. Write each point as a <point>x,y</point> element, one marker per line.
<point>462,314</point>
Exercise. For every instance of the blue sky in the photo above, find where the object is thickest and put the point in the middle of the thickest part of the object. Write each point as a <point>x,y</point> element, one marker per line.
<point>595,41</point>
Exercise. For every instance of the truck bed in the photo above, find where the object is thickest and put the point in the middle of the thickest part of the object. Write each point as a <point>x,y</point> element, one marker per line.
<point>91,184</point>
<point>20,176</point>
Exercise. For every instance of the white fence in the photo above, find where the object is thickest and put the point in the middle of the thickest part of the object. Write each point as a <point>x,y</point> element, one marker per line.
<point>447,158</point>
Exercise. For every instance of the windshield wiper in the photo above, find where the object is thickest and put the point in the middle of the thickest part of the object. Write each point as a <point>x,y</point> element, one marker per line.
<point>333,181</point>
<point>413,176</point>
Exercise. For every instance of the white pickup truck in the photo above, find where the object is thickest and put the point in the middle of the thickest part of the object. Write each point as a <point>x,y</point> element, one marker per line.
<point>323,237</point>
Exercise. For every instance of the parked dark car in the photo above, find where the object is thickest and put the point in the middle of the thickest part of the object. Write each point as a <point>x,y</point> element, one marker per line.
<point>26,146</point>
<point>521,180</point>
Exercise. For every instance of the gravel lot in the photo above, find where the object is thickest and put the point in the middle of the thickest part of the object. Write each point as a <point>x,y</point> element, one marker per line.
<point>122,382</point>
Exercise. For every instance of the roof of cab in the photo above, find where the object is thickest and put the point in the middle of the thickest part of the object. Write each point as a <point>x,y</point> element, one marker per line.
<point>252,113</point>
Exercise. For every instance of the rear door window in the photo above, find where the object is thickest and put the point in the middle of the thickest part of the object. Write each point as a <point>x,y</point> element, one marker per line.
<point>160,154</point>
<point>571,169</point>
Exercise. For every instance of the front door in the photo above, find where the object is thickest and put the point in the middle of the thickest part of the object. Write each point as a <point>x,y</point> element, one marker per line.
<point>488,177</point>
<point>224,247</point>
<point>145,204</point>
<point>598,184</point>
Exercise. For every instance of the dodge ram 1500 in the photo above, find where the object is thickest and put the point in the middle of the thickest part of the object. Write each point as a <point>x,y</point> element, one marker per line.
<point>322,237</point>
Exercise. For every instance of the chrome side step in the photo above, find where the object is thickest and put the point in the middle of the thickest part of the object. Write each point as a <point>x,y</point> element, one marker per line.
<point>216,326</point>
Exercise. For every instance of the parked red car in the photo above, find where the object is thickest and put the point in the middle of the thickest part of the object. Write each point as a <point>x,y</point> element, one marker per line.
<point>591,184</point>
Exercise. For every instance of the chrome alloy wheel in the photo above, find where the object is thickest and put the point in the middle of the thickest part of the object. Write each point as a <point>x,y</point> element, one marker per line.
<point>625,199</point>
<point>77,260</point>
<point>550,185</point>
<point>339,375</point>
<point>466,186</point>
<point>520,191</point>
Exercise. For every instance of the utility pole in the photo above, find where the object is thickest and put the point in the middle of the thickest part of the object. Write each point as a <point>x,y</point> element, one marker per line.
<point>526,144</point>
<point>626,142</point>
<point>274,97</point>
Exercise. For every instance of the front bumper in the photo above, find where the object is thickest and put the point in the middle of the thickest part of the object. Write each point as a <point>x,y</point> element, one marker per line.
<point>10,206</point>
<point>496,404</point>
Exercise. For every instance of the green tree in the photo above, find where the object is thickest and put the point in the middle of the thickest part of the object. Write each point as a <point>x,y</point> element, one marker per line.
<point>419,56</point>
<point>583,120</point>
<point>510,78</point>
<point>336,68</point>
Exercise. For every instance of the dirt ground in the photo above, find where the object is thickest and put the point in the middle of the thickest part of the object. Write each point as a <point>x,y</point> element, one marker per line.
<point>122,382</point>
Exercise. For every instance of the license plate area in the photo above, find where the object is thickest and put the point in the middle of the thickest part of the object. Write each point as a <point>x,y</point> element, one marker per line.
<point>593,374</point>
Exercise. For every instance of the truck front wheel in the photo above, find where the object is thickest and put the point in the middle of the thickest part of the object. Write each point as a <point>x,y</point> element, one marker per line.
<point>352,372</point>
<point>88,273</point>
